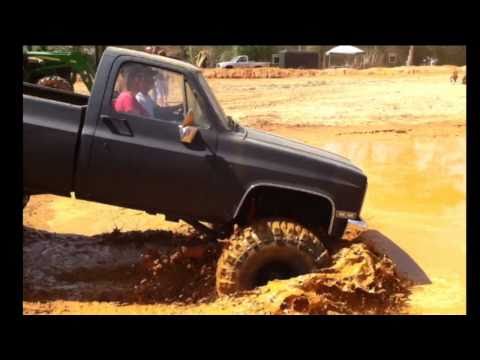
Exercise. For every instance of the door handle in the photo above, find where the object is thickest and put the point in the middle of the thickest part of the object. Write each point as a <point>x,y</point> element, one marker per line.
<point>112,124</point>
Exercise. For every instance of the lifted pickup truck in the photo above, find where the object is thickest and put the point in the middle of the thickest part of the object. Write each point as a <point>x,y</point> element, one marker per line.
<point>242,62</point>
<point>276,201</point>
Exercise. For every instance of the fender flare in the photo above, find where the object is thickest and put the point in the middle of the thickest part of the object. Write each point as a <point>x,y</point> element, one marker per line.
<point>289,187</point>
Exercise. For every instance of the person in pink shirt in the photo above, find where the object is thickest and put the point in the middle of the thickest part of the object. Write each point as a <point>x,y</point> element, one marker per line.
<point>126,101</point>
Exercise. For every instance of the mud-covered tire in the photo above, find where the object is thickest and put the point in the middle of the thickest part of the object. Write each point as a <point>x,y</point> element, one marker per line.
<point>268,249</point>
<point>56,82</point>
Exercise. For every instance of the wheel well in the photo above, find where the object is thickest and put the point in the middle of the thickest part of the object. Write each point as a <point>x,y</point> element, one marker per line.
<point>311,210</point>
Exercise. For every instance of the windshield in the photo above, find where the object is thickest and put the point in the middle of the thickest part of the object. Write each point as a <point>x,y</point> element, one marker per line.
<point>216,105</point>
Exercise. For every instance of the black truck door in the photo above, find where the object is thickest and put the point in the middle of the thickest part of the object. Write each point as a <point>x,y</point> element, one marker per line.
<point>137,159</point>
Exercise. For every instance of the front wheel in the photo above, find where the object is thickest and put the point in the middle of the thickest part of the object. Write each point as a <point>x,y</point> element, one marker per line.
<point>267,250</point>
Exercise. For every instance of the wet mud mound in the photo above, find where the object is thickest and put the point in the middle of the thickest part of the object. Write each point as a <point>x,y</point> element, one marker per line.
<point>135,266</point>
<point>177,271</point>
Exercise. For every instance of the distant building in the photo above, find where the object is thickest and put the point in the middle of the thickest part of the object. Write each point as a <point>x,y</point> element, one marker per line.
<point>386,56</point>
<point>296,59</point>
<point>365,57</point>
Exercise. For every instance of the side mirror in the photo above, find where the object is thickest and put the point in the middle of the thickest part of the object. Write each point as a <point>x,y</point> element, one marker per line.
<point>187,129</point>
<point>188,119</point>
<point>187,133</point>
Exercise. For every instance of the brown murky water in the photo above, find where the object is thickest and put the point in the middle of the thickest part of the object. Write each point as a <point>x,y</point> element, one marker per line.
<point>417,198</point>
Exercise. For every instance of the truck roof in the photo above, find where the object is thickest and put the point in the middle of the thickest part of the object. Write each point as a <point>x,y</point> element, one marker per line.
<point>183,65</point>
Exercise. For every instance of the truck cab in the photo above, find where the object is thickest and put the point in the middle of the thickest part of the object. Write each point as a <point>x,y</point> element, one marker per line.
<point>240,59</point>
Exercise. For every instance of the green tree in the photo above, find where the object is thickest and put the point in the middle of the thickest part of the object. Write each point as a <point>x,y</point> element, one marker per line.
<point>256,53</point>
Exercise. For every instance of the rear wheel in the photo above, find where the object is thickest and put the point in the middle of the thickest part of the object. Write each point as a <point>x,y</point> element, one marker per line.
<point>56,82</point>
<point>267,250</point>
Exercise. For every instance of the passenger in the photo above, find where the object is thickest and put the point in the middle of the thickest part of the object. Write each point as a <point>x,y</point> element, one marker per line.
<point>126,101</point>
<point>143,96</point>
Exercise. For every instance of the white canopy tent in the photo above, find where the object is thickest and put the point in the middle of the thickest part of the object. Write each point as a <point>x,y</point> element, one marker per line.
<point>348,54</point>
<point>345,50</point>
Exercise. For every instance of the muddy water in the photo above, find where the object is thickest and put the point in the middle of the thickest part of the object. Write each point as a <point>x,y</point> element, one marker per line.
<point>417,199</point>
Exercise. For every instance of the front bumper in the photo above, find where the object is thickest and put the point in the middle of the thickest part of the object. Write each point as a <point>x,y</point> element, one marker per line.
<point>354,229</point>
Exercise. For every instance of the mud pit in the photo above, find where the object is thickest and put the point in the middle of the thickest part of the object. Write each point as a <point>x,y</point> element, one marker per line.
<point>407,131</point>
<point>176,272</point>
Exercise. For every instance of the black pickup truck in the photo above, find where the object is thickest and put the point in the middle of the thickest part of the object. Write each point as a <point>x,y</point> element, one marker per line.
<point>277,201</point>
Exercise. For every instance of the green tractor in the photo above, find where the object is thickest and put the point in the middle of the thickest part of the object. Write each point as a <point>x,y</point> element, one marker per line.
<point>59,69</point>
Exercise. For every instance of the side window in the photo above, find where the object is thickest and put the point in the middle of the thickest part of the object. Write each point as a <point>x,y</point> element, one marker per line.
<point>192,104</point>
<point>149,92</point>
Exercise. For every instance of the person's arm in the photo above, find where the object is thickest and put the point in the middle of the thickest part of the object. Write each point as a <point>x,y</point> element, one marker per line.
<point>130,106</point>
<point>141,99</point>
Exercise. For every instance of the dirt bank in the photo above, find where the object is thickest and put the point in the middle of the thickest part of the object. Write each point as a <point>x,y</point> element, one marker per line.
<point>275,72</point>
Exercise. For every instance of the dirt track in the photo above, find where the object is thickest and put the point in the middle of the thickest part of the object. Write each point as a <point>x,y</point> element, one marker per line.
<point>407,131</point>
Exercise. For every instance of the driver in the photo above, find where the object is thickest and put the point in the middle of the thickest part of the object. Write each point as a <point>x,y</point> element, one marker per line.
<point>126,102</point>
<point>143,97</point>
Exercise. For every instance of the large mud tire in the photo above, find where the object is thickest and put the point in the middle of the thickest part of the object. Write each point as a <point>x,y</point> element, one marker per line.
<point>268,249</point>
<point>56,82</point>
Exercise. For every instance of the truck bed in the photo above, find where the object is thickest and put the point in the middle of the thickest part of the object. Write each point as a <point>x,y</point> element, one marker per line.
<point>52,122</point>
<point>54,94</point>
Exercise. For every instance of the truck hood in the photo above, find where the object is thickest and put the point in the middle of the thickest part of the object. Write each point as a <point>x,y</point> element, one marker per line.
<point>298,147</point>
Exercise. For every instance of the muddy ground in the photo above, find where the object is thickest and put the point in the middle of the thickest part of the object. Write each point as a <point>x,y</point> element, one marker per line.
<point>405,129</point>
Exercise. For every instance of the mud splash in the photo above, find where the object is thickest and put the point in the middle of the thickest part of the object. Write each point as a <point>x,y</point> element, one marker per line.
<point>177,270</point>
<point>359,282</point>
